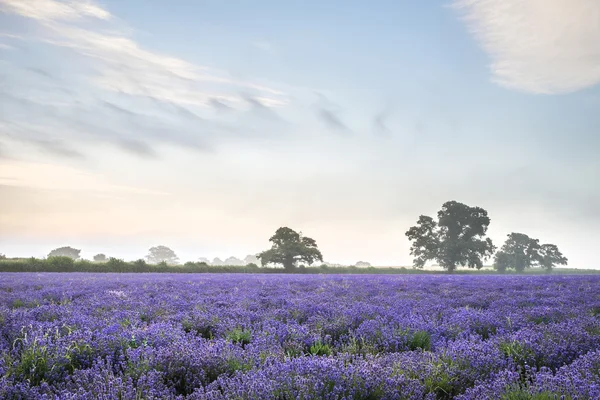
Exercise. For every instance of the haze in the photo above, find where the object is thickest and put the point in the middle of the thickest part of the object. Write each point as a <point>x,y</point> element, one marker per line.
<point>206,125</point>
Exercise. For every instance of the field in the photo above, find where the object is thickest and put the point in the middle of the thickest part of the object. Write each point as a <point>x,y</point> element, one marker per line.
<point>250,336</point>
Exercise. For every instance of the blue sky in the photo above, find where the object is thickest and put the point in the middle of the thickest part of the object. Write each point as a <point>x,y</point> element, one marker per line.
<point>206,125</point>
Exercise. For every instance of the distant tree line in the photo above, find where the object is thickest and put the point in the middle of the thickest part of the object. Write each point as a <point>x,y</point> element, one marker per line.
<point>457,237</point>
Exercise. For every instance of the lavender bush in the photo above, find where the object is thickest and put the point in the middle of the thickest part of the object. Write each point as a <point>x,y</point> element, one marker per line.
<point>231,336</point>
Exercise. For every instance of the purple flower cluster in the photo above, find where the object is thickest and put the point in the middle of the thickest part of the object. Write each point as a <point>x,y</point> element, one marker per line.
<point>242,336</point>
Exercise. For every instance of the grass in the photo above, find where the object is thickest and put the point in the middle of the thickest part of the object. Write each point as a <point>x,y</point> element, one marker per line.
<point>241,336</point>
<point>521,394</point>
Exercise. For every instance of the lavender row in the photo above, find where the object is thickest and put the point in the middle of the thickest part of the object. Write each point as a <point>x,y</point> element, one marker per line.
<point>151,336</point>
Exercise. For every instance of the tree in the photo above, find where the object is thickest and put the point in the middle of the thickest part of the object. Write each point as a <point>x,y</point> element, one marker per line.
<point>160,254</point>
<point>549,256</point>
<point>250,259</point>
<point>288,248</point>
<point>501,261</point>
<point>2,256</point>
<point>100,258</point>
<point>518,252</point>
<point>217,261</point>
<point>457,238</point>
<point>65,252</point>
<point>233,261</point>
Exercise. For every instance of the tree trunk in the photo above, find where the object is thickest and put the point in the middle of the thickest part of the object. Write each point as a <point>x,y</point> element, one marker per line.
<point>289,264</point>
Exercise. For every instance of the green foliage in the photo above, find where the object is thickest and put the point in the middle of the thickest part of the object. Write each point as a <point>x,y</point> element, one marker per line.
<point>523,394</point>
<point>438,380</point>
<point>100,258</point>
<point>520,353</point>
<point>61,263</point>
<point>320,349</point>
<point>116,264</point>
<point>549,256</point>
<point>241,336</point>
<point>141,263</point>
<point>33,364</point>
<point>65,252</point>
<point>457,238</point>
<point>420,340</point>
<point>518,252</point>
<point>288,248</point>
<point>502,261</point>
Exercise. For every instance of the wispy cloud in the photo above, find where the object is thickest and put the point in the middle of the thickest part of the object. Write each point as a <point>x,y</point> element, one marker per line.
<point>115,90</point>
<point>219,105</point>
<point>331,120</point>
<point>549,46</point>
<point>48,10</point>
<point>327,113</point>
<point>120,63</point>
<point>380,120</point>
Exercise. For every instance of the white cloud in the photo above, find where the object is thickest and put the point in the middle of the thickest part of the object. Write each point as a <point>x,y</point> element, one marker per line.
<point>120,64</point>
<point>538,46</point>
<point>54,10</point>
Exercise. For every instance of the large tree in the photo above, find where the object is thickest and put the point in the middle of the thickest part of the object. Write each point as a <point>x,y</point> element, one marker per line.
<point>549,256</point>
<point>65,252</point>
<point>160,254</point>
<point>456,238</point>
<point>288,248</point>
<point>518,252</point>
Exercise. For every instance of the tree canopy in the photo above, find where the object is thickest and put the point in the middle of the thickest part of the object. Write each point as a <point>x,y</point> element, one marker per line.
<point>159,254</point>
<point>456,238</point>
<point>65,252</point>
<point>550,256</point>
<point>520,252</point>
<point>289,247</point>
<point>100,257</point>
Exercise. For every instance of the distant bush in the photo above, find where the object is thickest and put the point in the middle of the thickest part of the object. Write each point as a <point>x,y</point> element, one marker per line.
<point>67,264</point>
<point>100,258</point>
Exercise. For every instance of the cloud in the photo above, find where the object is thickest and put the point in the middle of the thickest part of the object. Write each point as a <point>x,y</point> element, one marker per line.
<point>137,147</point>
<point>259,107</point>
<point>546,47</point>
<point>380,120</point>
<point>97,84</point>
<point>57,147</point>
<point>331,120</point>
<point>219,105</point>
<point>327,116</point>
<point>119,63</point>
<point>48,10</point>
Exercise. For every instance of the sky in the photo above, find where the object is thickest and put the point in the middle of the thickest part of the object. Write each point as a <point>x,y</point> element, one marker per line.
<point>205,125</point>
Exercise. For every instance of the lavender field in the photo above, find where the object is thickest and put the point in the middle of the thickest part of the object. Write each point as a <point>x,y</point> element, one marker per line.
<point>158,336</point>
